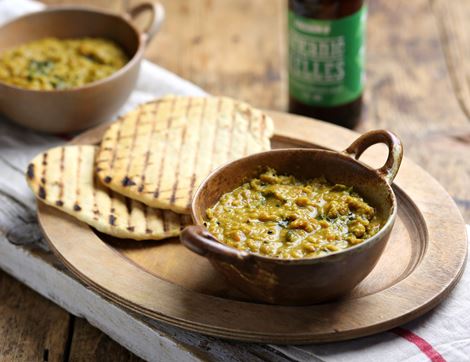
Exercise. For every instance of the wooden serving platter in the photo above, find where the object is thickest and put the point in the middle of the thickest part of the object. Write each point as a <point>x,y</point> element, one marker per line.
<point>423,261</point>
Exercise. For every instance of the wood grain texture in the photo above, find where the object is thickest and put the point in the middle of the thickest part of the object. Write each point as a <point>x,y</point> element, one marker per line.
<point>31,327</point>
<point>223,48</point>
<point>89,344</point>
<point>380,303</point>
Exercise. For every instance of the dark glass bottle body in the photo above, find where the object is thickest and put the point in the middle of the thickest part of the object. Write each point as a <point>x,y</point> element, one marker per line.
<point>346,114</point>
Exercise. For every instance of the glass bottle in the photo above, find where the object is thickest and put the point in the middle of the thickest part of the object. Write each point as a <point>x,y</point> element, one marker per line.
<point>326,59</point>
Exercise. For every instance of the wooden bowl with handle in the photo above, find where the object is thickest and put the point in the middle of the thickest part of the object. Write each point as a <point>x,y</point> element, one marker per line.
<point>309,280</point>
<point>69,110</point>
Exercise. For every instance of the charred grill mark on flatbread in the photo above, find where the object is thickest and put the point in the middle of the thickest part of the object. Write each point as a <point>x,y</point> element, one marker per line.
<point>198,145</point>
<point>178,165</point>
<point>164,191</point>
<point>165,222</point>
<point>60,201</point>
<point>126,181</point>
<point>146,161</point>
<point>42,191</point>
<point>146,211</point>
<point>77,206</point>
<point>142,178</point>
<point>125,137</point>
<point>116,149</point>
<point>149,145</point>
<point>95,211</point>
<point>128,203</point>
<point>111,204</point>
<point>111,207</point>
<point>165,147</point>
<point>193,183</point>
<point>30,171</point>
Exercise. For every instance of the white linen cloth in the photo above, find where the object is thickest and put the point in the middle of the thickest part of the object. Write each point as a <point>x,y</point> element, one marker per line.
<point>441,335</point>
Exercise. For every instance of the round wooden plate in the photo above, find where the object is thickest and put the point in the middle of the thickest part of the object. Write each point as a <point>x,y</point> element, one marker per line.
<point>423,260</point>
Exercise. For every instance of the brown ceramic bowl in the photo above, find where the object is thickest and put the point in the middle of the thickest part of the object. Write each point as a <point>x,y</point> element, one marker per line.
<point>61,111</point>
<point>309,280</point>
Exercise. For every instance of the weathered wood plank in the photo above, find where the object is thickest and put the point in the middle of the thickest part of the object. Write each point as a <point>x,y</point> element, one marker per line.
<point>31,327</point>
<point>90,344</point>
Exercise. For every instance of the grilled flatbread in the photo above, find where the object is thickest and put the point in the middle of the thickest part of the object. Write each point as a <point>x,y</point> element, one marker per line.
<point>63,178</point>
<point>160,152</point>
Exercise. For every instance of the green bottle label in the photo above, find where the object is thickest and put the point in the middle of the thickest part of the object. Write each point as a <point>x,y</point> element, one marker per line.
<point>326,59</point>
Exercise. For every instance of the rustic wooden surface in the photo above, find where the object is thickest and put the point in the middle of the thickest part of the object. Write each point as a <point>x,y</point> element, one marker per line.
<point>418,86</point>
<point>176,286</point>
<point>31,327</point>
<point>90,344</point>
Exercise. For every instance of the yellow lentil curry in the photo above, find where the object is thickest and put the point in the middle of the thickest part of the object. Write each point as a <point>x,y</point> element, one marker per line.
<point>51,63</point>
<point>283,217</point>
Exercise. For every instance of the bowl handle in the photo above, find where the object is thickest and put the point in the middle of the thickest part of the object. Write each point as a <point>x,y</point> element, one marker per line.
<point>395,151</point>
<point>157,12</point>
<point>199,240</point>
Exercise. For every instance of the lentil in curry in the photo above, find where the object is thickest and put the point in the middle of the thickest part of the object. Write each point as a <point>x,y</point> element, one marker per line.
<point>281,216</point>
<point>51,63</point>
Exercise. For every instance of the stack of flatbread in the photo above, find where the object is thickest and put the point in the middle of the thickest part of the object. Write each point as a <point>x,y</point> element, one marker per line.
<point>139,182</point>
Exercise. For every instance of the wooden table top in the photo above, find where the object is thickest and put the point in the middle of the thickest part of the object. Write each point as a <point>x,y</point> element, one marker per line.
<point>417,86</point>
